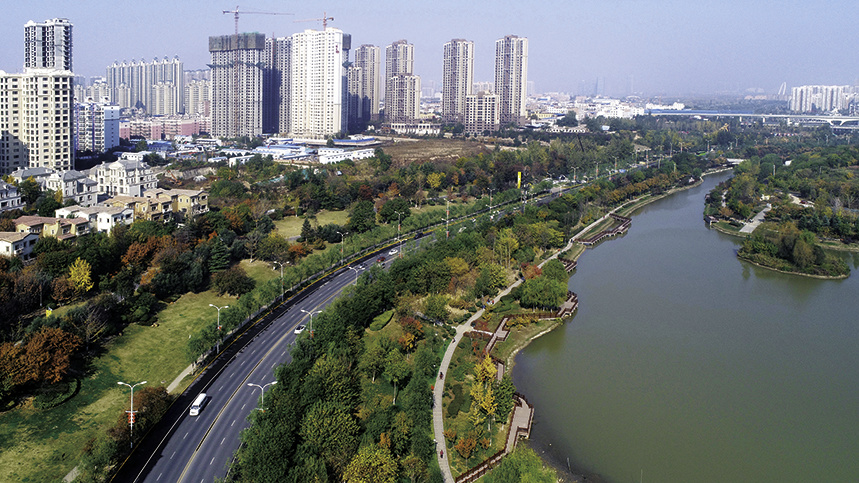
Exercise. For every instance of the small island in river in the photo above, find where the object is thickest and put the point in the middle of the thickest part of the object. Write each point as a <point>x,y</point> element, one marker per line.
<point>791,250</point>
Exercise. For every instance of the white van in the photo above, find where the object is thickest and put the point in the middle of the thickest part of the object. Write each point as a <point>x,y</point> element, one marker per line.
<point>198,404</point>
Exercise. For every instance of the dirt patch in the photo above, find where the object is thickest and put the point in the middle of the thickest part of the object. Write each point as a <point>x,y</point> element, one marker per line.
<point>408,152</point>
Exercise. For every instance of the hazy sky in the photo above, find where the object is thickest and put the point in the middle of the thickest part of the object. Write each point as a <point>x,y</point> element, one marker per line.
<point>663,46</point>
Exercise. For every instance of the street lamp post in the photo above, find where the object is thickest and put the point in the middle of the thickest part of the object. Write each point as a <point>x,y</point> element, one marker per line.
<point>399,240</point>
<point>356,274</point>
<point>311,312</point>
<point>131,411</point>
<point>341,246</point>
<point>262,393</point>
<point>218,345</point>
<point>281,280</point>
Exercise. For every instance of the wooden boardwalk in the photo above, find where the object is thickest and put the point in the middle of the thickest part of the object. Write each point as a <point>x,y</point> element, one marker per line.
<point>618,230</point>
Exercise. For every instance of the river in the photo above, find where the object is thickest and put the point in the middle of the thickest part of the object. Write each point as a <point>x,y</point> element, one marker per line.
<point>684,364</point>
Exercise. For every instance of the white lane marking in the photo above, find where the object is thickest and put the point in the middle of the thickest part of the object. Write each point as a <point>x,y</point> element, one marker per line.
<point>234,422</point>
<point>243,406</point>
<point>222,441</point>
<point>186,435</point>
<point>172,455</point>
<point>159,476</point>
<point>213,460</point>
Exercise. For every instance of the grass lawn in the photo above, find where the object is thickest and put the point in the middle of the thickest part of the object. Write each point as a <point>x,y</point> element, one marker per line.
<point>290,226</point>
<point>519,338</point>
<point>38,446</point>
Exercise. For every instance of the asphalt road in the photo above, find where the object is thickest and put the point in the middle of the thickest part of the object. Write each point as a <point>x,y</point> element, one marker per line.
<point>185,448</point>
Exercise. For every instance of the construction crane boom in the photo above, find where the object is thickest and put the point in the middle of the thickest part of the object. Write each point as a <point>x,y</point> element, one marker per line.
<point>325,18</point>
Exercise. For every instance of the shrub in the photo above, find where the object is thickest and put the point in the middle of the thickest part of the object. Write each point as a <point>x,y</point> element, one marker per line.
<point>234,281</point>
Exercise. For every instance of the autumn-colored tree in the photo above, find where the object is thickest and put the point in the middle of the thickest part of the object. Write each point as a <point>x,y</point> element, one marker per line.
<point>80,276</point>
<point>465,446</point>
<point>531,271</point>
<point>450,434</point>
<point>407,342</point>
<point>372,464</point>
<point>62,290</point>
<point>412,326</point>
<point>47,356</point>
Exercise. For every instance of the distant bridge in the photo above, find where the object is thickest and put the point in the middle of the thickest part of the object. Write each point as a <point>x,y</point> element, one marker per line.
<point>835,121</point>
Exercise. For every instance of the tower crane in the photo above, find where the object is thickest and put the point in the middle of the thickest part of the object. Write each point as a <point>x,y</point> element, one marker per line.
<point>325,18</point>
<point>236,14</point>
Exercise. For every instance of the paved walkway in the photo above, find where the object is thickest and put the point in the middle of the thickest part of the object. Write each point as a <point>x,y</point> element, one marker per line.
<point>757,220</point>
<point>173,385</point>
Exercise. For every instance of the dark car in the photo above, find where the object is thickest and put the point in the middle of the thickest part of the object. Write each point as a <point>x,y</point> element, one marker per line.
<point>419,234</point>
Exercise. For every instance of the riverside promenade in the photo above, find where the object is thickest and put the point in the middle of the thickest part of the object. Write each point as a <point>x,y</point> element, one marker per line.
<point>438,390</point>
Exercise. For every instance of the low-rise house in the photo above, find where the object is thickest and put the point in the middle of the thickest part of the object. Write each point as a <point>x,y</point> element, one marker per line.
<point>10,199</point>
<point>150,209</point>
<point>74,185</point>
<point>39,174</point>
<point>125,177</point>
<point>102,219</point>
<point>61,228</point>
<point>183,203</point>
<point>15,244</point>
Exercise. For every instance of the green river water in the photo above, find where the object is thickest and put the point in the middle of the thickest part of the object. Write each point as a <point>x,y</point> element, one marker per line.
<point>684,364</point>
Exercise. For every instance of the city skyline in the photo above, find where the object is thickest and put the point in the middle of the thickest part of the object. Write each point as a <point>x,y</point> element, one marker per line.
<point>667,47</point>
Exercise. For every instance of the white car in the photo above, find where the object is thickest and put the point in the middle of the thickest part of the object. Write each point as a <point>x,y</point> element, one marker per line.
<point>392,251</point>
<point>299,329</point>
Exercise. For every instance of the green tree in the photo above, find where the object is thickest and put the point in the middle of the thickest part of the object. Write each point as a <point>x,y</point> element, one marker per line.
<point>30,190</point>
<point>396,369</point>
<point>372,464</point>
<point>523,465</point>
<point>219,258</point>
<point>332,431</point>
<point>362,218</point>
<point>372,361</point>
<point>234,281</point>
<point>505,244</point>
<point>388,213</point>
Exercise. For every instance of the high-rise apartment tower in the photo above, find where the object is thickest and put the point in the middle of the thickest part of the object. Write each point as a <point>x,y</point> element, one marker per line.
<point>511,78</point>
<point>48,44</point>
<point>458,79</point>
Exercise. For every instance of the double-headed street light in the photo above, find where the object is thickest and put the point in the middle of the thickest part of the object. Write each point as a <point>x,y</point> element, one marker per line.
<point>218,345</point>
<point>262,393</point>
<point>341,246</point>
<point>356,273</point>
<point>131,412</point>
<point>399,240</point>
<point>281,279</point>
<point>311,313</point>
